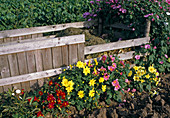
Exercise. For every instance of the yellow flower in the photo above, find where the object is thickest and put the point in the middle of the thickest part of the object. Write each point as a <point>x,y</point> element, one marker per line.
<point>101,80</point>
<point>80,64</point>
<point>89,62</point>
<point>136,68</point>
<point>69,89</point>
<point>91,93</point>
<point>92,82</point>
<point>64,77</point>
<point>81,94</point>
<point>64,82</point>
<point>70,83</point>
<point>59,78</point>
<point>155,79</point>
<point>157,74</point>
<point>139,73</point>
<point>142,72</point>
<point>142,80</point>
<point>103,88</point>
<point>95,60</point>
<point>130,74</point>
<point>71,67</point>
<point>86,70</point>
<point>151,69</point>
<point>147,76</point>
<point>135,78</point>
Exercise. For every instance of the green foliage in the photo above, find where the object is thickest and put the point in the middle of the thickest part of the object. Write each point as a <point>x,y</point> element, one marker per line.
<point>30,13</point>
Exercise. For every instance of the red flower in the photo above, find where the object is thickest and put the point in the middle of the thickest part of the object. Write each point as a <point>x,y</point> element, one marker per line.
<point>39,114</point>
<point>36,99</point>
<point>63,95</point>
<point>50,106</point>
<point>65,104</point>
<point>50,83</point>
<point>22,91</point>
<point>50,97</point>
<point>29,100</point>
<point>57,84</point>
<point>40,93</point>
<point>59,101</point>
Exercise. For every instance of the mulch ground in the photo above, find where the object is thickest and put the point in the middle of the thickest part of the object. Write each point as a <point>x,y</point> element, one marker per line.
<point>143,105</point>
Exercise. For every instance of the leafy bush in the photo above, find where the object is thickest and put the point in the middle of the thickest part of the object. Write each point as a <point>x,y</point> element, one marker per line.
<point>30,13</point>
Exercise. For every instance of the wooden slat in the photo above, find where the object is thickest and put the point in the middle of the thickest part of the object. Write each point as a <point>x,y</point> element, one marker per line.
<point>31,67</point>
<point>43,29</point>
<point>116,45</point>
<point>1,41</point>
<point>1,89</point>
<point>46,43</point>
<point>47,58</point>
<point>4,69</point>
<point>6,40</point>
<point>27,37</point>
<point>39,66</point>
<point>23,69</point>
<point>125,56</point>
<point>14,39</point>
<point>31,76</point>
<point>34,36</point>
<point>57,57</point>
<point>73,54</point>
<point>65,56</point>
<point>80,52</point>
<point>40,35</point>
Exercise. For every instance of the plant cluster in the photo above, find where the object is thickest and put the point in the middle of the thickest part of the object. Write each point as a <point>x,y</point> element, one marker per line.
<point>30,13</point>
<point>134,14</point>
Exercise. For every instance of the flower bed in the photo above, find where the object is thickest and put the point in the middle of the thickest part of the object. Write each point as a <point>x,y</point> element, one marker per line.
<point>83,85</point>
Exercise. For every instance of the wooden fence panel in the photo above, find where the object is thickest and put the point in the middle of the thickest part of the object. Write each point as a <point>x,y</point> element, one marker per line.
<point>80,52</point>
<point>73,54</point>
<point>65,55</point>
<point>57,57</point>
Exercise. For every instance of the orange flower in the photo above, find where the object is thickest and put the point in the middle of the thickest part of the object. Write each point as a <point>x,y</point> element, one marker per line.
<point>50,83</point>
<point>40,93</point>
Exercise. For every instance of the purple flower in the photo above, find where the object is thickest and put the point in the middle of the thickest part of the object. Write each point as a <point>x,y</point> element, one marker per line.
<point>92,2</point>
<point>147,46</point>
<point>124,11</point>
<point>89,19</point>
<point>161,62</point>
<point>137,57</point>
<point>86,14</point>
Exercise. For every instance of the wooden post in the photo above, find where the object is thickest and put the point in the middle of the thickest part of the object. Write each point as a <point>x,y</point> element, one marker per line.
<point>100,26</point>
<point>147,28</point>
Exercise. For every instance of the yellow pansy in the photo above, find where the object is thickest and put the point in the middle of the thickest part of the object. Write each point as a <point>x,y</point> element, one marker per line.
<point>86,70</point>
<point>101,80</point>
<point>81,94</point>
<point>103,88</point>
<point>70,83</point>
<point>92,93</point>
<point>80,64</point>
<point>151,69</point>
<point>71,67</point>
<point>69,89</point>
<point>95,60</point>
<point>92,82</point>
<point>139,73</point>
<point>142,80</point>
<point>135,67</point>
<point>130,74</point>
<point>157,74</point>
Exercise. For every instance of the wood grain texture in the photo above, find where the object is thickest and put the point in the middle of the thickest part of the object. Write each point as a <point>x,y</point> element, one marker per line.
<point>73,54</point>
<point>116,45</point>
<point>80,52</point>
<point>1,89</point>
<point>13,64</point>
<point>41,44</point>
<point>65,55</point>
<point>47,58</point>
<point>57,57</point>
<point>31,76</point>
<point>31,67</point>
<point>43,29</point>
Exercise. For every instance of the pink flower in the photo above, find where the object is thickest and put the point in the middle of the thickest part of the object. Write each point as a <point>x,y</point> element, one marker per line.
<point>102,69</point>
<point>161,62</point>
<point>114,65</point>
<point>133,90</point>
<point>121,73</point>
<point>147,46</point>
<point>154,47</point>
<point>137,57</point>
<point>104,57</point>
<point>124,100</point>
<point>106,76</point>
<point>117,87</point>
<point>133,29</point>
<point>153,19</point>
<point>122,62</point>
<point>126,80</point>
<point>112,58</point>
<point>166,56</point>
<point>111,68</point>
<point>115,82</point>
<point>128,89</point>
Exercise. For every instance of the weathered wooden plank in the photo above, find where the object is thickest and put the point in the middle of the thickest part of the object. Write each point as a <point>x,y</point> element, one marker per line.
<point>1,41</point>
<point>31,67</point>
<point>80,52</point>
<point>65,56</point>
<point>125,56</point>
<point>13,64</point>
<point>22,62</point>
<point>1,89</point>
<point>40,44</point>
<point>47,58</point>
<point>116,45</point>
<point>57,57</point>
<point>6,40</point>
<point>14,39</point>
<point>28,36</point>
<point>4,67</point>
<point>31,76</point>
<point>34,36</point>
<point>40,35</point>
<point>43,29</point>
<point>73,54</point>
